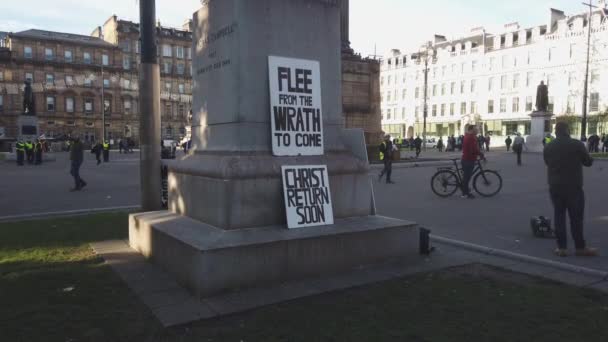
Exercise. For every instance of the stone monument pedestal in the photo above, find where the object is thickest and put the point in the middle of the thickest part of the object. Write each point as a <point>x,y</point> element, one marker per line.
<point>539,127</point>
<point>225,228</point>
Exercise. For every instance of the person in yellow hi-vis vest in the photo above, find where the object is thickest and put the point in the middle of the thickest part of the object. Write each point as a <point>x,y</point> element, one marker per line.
<point>106,151</point>
<point>386,156</point>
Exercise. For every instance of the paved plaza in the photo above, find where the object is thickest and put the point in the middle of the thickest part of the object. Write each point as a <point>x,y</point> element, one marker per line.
<point>501,222</point>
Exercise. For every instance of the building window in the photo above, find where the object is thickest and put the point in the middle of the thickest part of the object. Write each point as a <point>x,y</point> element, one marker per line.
<point>490,106</point>
<point>443,69</point>
<point>595,76</point>
<point>443,89</point>
<point>570,105</point>
<point>125,45</point>
<point>50,103</point>
<point>434,113</point>
<point>452,105</point>
<point>88,82</point>
<point>490,83</point>
<point>50,79</point>
<point>452,88</point>
<point>126,84</point>
<point>105,60</point>
<point>473,107</point>
<point>389,80</point>
<point>27,52</point>
<point>529,59</point>
<point>1,103</point>
<point>453,68</point>
<point>434,90</point>
<point>167,67</point>
<point>169,131</point>
<point>403,94</point>
<point>529,77</point>
<point>67,56</point>
<point>503,82</point>
<point>571,78</point>
<point>505,61</point>
<point>69,104</point>
<point>551,105</point>
<point>491,63</point>
<point>180,68</point>
<point>188,53</point>
<point>29,77</point>
<point>179,52</point>
<point>443,109</point>
<point>473,85</point>
<point>515,81</point>
<point>127,106</point>
<point>503,105</point>
<point>529,103</point>
<point>181,88</point>
<point>106,83</point>
<point>462,86</point>
<point>473,66</point>
<point>168,109</point>
<point>137,47</point>
<point>417,111</point>
<point>515,105</point>
<point>463,108</point>
<point>594,102</point>
<point>167,50</point>
<point>86,58</point>
<point>463,66</point>
<point>514,61</point>
<point>181,110</point>
<point>388,96</point>
<point>417,92</point>
<point>126,62</point>
<point>382,80</point>
<point>107,106</point>
<point>48,54</point>
<point>88,105</point>
<point>402,113</point>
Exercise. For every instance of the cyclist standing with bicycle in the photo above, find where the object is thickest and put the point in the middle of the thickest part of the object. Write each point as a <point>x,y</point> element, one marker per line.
<point>470,153</point>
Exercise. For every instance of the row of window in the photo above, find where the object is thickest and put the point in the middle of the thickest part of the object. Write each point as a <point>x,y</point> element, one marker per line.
<point>89,106</point>
<point>507,61</point>
<point>437,90</point>
<point>515,107</point>
<point>68,56</point>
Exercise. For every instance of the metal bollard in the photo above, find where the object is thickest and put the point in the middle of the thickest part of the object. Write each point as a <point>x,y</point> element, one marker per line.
<point>425,242</point>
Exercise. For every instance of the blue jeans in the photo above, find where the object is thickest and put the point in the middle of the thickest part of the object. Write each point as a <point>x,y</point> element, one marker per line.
<point>467,170</point>
<point>75,172</point>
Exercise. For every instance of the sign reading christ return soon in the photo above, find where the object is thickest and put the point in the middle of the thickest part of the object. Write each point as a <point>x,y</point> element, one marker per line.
<point>307,196</point>
<point>295,107</point>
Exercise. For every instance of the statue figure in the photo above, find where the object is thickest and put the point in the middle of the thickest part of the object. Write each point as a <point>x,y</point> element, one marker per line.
<point>28,99</point>
<point>542,97</point>
<point>345,26</point>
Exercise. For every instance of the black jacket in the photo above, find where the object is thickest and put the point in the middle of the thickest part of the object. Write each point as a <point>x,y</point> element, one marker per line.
<point>565,158</point>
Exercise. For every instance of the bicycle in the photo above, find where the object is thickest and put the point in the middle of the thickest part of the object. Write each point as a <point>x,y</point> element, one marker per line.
<point>447,180</point>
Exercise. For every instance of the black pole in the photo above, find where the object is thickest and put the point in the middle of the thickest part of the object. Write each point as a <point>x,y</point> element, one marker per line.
<point>149,99</point>
<point>586,86</point>
<point>425,110</point>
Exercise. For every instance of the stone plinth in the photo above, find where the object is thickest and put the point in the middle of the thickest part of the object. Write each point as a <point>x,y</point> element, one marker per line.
<point>538,131</point>
<point>210,261</point>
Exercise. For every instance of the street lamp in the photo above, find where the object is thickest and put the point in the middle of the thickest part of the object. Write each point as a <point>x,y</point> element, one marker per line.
<point>588,61</point>
<point>427,53</point>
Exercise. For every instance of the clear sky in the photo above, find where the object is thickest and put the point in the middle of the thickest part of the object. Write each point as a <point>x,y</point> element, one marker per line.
<point>376,25</point>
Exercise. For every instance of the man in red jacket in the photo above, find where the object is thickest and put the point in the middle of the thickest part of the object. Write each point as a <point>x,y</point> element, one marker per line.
<point>470,154</point>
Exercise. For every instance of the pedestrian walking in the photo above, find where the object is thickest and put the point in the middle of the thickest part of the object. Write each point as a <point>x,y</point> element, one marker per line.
<point>106,152</point>
<point>604,143</point>
<point>386,156</point>
<point>418,146</point>
<point>470,153</point>
<point>487,142</point>
<point>508,143</point>
<point>518,147</point>
<point>20,147</point>
<point>97,148</point>
<point>411,143</point>
<point>38,152</point>
<point>440,144</point>
<point>121,146</point>
<point>76,159</point>
<point>565,158</point>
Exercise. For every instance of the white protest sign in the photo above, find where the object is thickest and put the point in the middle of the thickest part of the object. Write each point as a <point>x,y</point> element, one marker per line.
<point>295,107</point>
<point>307,196</point>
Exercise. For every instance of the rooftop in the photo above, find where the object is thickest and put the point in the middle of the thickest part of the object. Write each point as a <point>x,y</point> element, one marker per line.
<point>62,37</point>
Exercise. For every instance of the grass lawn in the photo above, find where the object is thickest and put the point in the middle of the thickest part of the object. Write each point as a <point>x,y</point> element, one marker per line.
<point>52,288</point>
<point>599,155</point>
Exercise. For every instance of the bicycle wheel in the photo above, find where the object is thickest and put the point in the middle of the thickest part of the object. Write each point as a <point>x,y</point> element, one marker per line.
<point>444,183</point>
<point>487,183</point>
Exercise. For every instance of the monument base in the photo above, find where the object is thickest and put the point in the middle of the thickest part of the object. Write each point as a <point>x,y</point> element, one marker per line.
<point>208,261</point>
<point>539,128</point>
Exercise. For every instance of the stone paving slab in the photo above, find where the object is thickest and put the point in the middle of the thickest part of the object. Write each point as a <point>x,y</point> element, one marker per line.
<point>173,305</point>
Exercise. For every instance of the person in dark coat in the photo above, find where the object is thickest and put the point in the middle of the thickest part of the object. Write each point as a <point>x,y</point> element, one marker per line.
<point>508,143</point>
<point>418,146</point>
<point>565,158</point>
<point>386,156</point>
<point>97,151</point>
<point>76,159</point>
<point>38,152</point>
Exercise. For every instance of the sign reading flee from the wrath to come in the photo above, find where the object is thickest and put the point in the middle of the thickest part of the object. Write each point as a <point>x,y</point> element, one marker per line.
<point>307,196</point>
<point>295,107</point>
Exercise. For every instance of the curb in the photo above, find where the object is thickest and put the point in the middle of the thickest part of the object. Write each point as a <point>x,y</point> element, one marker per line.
<point>57,214</point>
<point>409,165</point>
<point>521,257</point>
